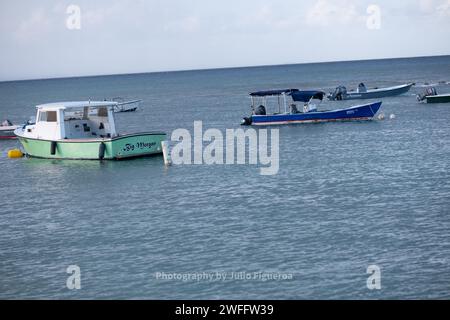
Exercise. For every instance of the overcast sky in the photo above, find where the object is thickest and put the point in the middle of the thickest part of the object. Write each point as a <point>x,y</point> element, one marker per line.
<point>129,36</point>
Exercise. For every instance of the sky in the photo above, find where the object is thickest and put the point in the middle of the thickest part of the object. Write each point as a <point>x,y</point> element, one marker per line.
<point>48,38</point>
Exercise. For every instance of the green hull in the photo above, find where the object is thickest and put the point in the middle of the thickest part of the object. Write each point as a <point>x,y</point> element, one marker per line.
<point>438,99</point>
<point>122,147</point>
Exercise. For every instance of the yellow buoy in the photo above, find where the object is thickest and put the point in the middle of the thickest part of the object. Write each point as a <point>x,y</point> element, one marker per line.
<point>15,153</point>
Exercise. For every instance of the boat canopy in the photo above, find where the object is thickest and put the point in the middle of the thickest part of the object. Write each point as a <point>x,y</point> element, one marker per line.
<point>273,93</point>
<point>306,96</point>
<point>75,120</point>
<point>76,104</point>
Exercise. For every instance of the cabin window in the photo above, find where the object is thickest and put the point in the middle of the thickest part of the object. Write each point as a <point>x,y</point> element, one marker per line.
<point>73,115</point>
<point>102,112</point>
<point>47,116</point>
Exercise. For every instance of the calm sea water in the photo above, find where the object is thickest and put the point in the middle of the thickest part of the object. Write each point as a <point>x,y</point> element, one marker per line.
<point>348,195</point>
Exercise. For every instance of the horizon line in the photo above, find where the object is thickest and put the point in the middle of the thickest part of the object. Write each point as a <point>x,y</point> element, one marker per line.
<point>218,68</point>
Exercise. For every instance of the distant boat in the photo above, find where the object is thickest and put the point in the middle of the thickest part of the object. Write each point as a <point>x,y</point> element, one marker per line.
<point>362,92</point>
<point>431,96</point>
<point>7,130</point>
<point>126,106</point>
<point>309,112</point>
<point>440,98</point>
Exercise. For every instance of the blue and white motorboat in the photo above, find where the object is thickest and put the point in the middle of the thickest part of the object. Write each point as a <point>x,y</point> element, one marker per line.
<point>362,92</point>
<point>305,113</point>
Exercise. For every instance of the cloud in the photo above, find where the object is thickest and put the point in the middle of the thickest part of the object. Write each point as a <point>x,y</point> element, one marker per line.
<point>151,35</point>
<point>443,10</point>
<point>427,6</point>
<point>329,12</point>
<point>36,24</point>
<point>185,25</point>
<point>435,8</point>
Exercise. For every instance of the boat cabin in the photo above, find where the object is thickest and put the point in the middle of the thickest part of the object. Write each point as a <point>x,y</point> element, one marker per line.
<point>74,120</point>
<point>289,101</point>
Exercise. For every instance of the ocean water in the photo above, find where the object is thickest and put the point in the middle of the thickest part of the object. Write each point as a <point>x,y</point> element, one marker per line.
<point>347,195</point>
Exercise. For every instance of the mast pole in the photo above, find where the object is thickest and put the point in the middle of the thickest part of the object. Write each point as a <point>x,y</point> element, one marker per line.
<point>279,105</point>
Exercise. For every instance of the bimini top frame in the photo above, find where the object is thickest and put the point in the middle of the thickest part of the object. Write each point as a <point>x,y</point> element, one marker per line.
<point>296,94</point>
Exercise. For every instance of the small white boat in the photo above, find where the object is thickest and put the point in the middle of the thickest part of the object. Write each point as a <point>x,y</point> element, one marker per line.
<point>126,106</point>
<point>7,130</point>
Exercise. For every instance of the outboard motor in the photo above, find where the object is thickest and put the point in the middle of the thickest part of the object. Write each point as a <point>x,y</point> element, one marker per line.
<point>246,122</point>
<point>339,94</point>
<point>260,111</point>
<point>431,91</point>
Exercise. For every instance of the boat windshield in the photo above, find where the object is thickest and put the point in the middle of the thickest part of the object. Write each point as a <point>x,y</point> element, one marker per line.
<point>6,123</point>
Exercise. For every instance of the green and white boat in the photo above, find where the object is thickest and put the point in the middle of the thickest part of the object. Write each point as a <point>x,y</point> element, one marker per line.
<point>84,131</point>
<point>440,98</point>
<point>431,96</point>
